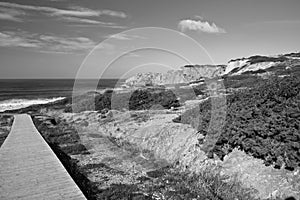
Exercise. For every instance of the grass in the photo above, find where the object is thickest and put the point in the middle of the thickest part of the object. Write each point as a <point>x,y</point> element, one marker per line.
<point>258,59</point>
<point>6,122</point>
<point>62,134</point>
<point>208,184</point>
<point>167,182</point>
<point>293,54</point>
<point>140,99</point>
<point>56,138</point>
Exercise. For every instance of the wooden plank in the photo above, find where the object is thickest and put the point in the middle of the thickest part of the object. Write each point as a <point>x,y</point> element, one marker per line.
<point>29,169</point>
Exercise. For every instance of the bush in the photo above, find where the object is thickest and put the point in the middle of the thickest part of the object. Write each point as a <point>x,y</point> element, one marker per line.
<point>263,121</point>
<point>146,99</point>
<point>208,184</point>
<point>258,59</point>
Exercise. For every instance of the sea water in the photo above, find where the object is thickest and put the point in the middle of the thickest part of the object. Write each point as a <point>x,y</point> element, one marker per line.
<point>20,93</point>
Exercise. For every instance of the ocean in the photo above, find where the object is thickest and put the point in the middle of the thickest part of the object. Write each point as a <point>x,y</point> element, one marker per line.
<point>18,93</point>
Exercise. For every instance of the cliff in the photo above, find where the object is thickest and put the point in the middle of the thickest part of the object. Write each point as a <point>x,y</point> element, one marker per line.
<point>186,74</point>
<point>196,73</point>
<point>260,64</point>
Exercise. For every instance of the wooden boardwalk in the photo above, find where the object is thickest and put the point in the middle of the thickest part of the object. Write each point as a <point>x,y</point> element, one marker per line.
<point>29,169</point>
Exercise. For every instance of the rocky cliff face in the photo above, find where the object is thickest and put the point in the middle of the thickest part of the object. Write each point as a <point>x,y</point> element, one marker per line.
<point>186,74</point>
<point>255,64</point>
<point>195,73</point>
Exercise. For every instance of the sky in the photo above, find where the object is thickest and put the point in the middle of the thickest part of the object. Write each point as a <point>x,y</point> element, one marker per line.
<point>118,38</point>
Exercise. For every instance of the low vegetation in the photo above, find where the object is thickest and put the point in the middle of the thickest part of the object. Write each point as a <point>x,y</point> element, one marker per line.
<point>263,121</point>
<point>258,59</point>
<point>208,184</point>
<point>241,81</point>
<point>164,183</point>
<point>169,183</point>
<point>64,141</point>
<point>140,99</point>
<point>5,126</point>
<point>293,54</point>
<point>60,134</point>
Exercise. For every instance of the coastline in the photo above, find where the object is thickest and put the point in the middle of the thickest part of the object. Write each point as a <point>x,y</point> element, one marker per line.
<point>14,104</point>
<point>128,152</point>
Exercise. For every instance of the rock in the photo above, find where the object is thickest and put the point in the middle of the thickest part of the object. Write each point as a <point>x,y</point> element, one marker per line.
<point>102,116</point>
<point>268,182</point>
<point>187,74</point>
<point>104,111</point>
<point>53,121</point>
<point>109,114</point>
<point>84,123</point>
<point>255,64</point>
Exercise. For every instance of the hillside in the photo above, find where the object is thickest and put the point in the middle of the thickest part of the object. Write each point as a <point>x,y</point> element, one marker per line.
<point>141,141</point>
<point>185,75</point>
<point>261,64</point>
<point>263,121</point>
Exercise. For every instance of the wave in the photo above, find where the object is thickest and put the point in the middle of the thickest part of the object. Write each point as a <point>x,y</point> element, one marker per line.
<point>13,104</point>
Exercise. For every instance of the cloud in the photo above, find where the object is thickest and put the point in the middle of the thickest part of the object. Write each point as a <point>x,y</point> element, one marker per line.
<point>119,36</point>
<point>123,36</point>
<point>73,11</point>
<point>46,43</point>
<point>199,25</point>
<point>6,16</point>
<point>13,11</point>
<point>12,39</point>
<point>11,14</point>
<point>114,13</point>
<point>67,44</point>
<point>95,25</point>
<point>87,21</point>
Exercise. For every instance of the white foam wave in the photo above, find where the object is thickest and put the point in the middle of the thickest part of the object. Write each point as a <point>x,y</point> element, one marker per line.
<point>13,104</point>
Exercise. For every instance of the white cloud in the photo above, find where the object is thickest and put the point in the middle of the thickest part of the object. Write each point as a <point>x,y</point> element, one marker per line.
<point>13,12</point>
<point>87,21</point>
<point>67,44</point>
<point>114,13</point>
<point>199,25</point>
<point>119,36</point>
<point>11,39</point>
<point>74,11</point>
<point>123,36</point>
<point>46,43</point>
<point>6,16</point>
<point>95,25</point>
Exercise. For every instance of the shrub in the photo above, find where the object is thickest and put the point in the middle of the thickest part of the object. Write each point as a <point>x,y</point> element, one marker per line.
<point>209,183</point>
<point>146,99</point>
<point>263,121</point>
<point>258,59</point>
